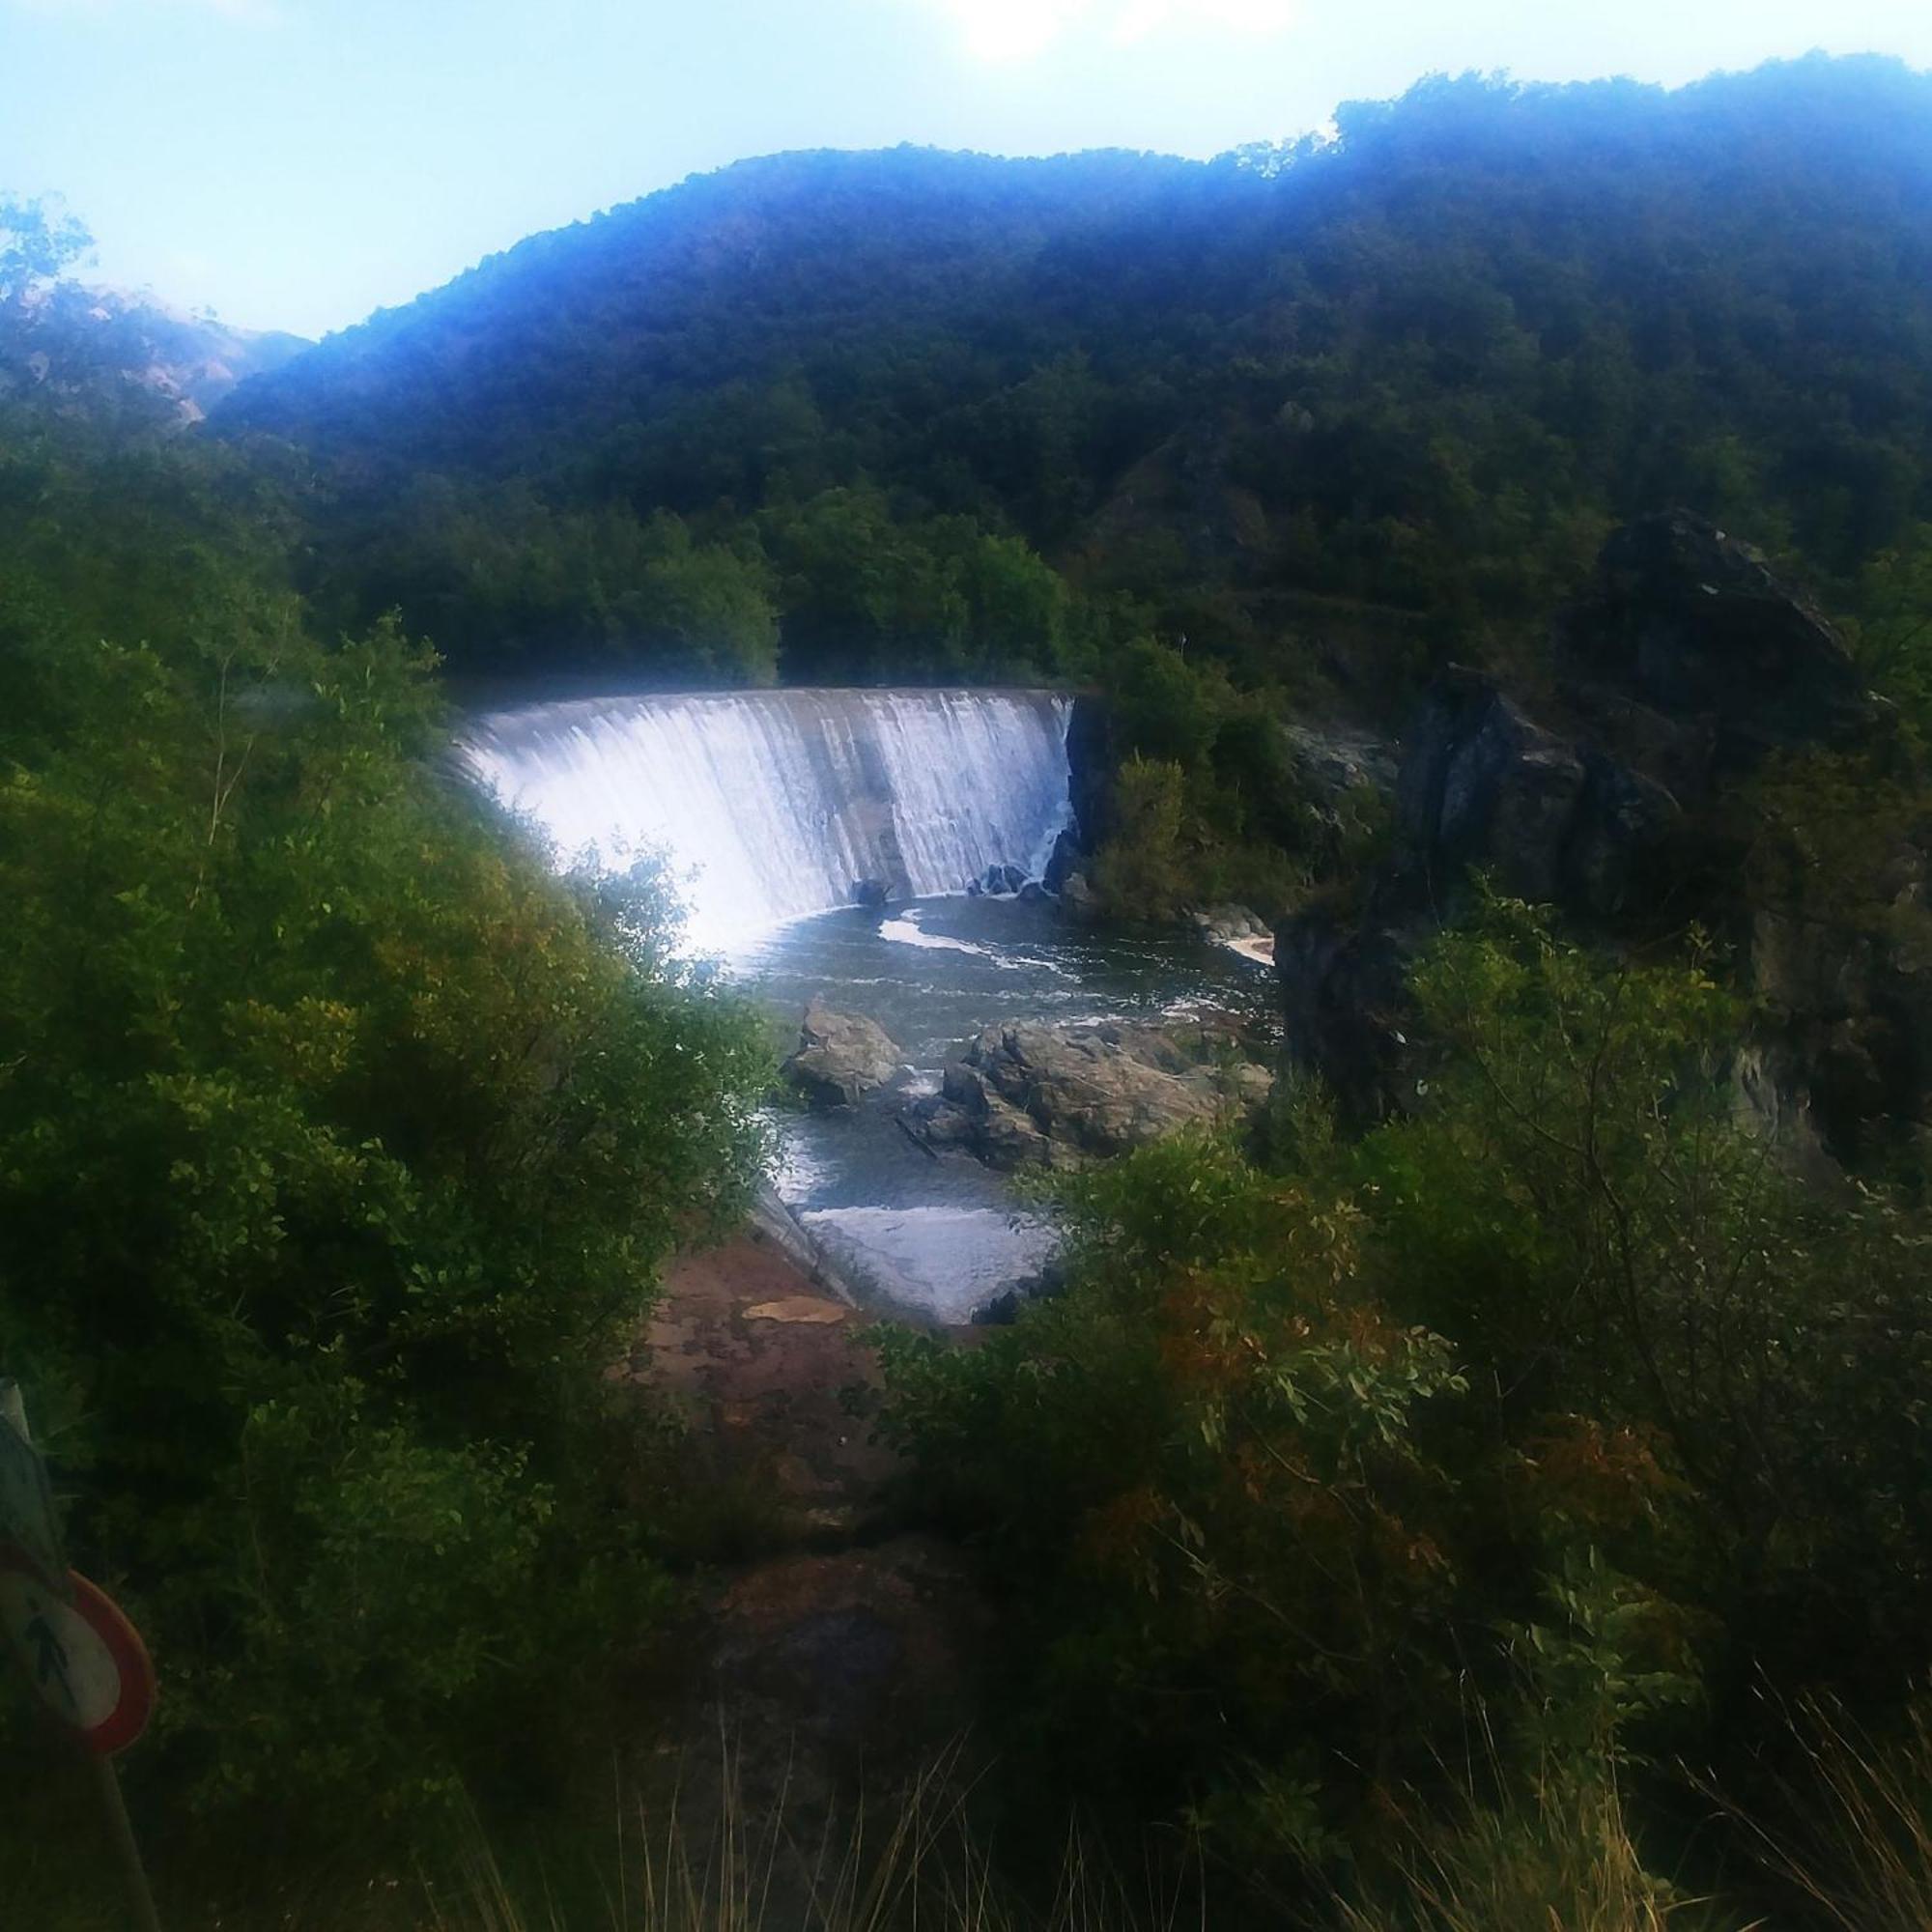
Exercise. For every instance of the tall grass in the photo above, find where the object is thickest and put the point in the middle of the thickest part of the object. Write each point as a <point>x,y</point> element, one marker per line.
<point>715,1864</point>
<point>1854,1839</point>
<point>1851,1850</point>
<point>1558,1858</point>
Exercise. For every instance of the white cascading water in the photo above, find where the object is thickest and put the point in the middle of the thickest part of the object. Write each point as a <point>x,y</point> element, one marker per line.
<point>775,804</point>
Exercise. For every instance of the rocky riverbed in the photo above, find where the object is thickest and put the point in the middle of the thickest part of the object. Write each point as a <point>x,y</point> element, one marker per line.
<point>1064,1096</point>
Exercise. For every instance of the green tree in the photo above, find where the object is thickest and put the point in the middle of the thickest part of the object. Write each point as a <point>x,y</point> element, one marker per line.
<point>339,1144</point>
<point>38,239</point>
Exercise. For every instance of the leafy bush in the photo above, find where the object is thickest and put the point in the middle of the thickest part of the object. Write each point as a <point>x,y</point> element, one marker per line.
<point>338,1145</point>
<point>1562,1396</point>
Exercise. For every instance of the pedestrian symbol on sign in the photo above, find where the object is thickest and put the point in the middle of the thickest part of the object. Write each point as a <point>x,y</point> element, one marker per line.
<point>49,1655</point>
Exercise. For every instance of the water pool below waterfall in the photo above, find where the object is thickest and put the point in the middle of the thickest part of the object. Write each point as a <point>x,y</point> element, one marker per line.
<point>941,1237</point>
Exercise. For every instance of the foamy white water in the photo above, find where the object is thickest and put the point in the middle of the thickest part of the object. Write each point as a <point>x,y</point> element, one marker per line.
<point>947,1260</point>
<point>772,805</point>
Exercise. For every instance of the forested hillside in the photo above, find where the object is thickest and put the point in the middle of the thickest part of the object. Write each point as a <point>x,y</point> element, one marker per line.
<point>1491,1491</point>
<point>849,415</point>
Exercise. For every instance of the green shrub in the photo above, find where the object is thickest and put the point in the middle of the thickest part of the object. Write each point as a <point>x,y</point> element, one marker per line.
<point>339,1143</point>
<point>1562,1396</point>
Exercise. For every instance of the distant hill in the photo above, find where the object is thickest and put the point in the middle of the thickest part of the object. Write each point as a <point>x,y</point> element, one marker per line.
<point>914,412</point>
<point>91,345</point>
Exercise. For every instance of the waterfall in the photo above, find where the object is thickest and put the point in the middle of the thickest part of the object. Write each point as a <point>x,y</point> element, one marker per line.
<point>774,804</point>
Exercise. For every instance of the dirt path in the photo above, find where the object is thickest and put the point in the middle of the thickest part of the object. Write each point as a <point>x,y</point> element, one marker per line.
<point>775,1384</point>
<point>842,1649</point>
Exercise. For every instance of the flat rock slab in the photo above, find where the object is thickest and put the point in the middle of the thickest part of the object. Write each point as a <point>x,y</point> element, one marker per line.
<point>797,1308</point>
<point>1067,1095</point>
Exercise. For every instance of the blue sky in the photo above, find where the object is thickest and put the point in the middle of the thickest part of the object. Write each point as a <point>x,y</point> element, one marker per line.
<point>296,163</point>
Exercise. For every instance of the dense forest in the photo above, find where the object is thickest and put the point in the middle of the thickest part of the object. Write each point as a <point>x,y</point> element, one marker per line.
<point>1507,1509</point>
<point>920,414</point>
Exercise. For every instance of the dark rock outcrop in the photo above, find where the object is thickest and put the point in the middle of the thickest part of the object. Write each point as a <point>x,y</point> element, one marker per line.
<point>840,1057</point>
<point>1065,1096</point>
<point>1694,624</point>
<point>1092,756</point>
<point>1346,1008</point>
<point>1064,860</point>
<point>1612,798</point>
<point>1548,818</point>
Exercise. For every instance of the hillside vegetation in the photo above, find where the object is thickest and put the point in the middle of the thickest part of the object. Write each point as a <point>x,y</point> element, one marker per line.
<point>914,413</point>
<point>1507,1507</point>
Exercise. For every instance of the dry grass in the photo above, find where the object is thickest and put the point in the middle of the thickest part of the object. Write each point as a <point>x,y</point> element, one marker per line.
<point>1559,1858</point>
<point>1852,1851</point>
<point>915,1865</point>
<point>1860,1851</point>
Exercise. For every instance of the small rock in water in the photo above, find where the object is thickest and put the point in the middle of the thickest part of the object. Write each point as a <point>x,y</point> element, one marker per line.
<point>1227,924</point>
<point>839,1057</point>
<point>872,892</point>
<point>1078,897</point>
<point>1062,865</point>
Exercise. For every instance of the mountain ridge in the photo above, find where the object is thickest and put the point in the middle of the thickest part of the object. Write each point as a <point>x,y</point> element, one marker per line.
<point>1422,366</point>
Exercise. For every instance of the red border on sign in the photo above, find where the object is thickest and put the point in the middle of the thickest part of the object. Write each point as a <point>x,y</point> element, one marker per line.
<point>129,1719</point>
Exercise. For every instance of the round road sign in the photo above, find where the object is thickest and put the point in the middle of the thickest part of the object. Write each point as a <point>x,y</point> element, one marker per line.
<point>84,1661</point>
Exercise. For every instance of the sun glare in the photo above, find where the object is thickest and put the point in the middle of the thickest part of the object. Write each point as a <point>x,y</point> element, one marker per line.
<point>1020,30</point>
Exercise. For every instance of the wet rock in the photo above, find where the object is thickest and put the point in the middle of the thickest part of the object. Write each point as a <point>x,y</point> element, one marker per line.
<point>871,893</point>
<point>1064,862</point>
<point>840,1057</point>
<point>1078,898</point>
<point>1004,1307</point>
<point>1002,881</point>
<point>1227,924</point>
<point>1093,757</point>
<point>1066,1096</point>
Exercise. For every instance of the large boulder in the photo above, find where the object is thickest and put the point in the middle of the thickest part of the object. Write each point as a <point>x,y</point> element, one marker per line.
<point>1546,817</point>
<point>1693,623</point>
<point>1066,1096</point>
<point>840,1057</point>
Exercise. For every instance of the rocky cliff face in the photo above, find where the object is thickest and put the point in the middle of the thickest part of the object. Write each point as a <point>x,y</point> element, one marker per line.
<point>1620,796</point>
<point>93,347</point>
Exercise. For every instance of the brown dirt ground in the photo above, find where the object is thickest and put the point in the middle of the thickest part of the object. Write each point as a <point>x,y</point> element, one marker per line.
<point>842,1652</point>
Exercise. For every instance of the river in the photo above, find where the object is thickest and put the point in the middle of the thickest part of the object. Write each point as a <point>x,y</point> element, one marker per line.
<point>777,808</point>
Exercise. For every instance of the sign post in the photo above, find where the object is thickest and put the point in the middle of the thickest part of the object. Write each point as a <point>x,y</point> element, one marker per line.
<point>83,1661</point>
<point>27,1516</point>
